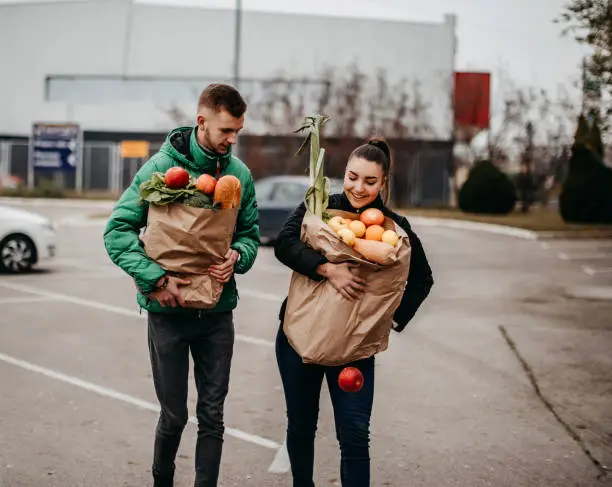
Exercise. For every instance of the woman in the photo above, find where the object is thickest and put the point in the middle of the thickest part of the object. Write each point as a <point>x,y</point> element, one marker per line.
<point>366,177</point>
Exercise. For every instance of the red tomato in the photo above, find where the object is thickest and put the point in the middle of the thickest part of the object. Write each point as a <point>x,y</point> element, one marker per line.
<point>176,177</point>
<point>206,184</point>
<point>350,379</point>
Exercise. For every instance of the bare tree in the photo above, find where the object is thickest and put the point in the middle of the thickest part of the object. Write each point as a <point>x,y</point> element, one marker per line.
<point>345,100</point>
<point>177,115</point>
<point>281,105</point>
<point>418,111</point>
<point>359,104</point>
<point>591,23</point>
<point>551,118</point>
<point>378,104</point>
<point>398,110</point>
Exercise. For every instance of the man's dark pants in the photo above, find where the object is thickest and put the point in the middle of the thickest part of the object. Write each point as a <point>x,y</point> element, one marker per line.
<point>210,339</point>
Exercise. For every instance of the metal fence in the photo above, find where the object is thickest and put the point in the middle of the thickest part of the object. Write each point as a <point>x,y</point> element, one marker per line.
<point>420,176</point>
<point>103,168</point>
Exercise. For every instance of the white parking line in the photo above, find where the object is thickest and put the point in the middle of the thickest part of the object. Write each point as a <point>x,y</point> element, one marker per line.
<point>276,269</point>
<point>580,245</point>
<point>242,435</point>
<point>281,463</point>
<point>85,265</point>
<point>25,300</point>
<point>123,311</point>
<point>58,203</point>
<point>259,295</point>
<point>601,270</point>
<point>70,299</point>
<point>80,222</point>
<point>584,256</point>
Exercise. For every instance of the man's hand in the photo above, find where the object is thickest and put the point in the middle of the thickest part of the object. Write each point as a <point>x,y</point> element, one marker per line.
<point>170,296</point>
<point>223,272</point>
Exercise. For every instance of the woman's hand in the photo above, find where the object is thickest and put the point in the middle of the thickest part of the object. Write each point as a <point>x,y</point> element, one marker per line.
<point>342,277</point>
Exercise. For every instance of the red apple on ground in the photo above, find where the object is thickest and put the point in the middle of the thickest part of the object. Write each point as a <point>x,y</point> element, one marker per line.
<point>350,379</point>
<point>176,178</point>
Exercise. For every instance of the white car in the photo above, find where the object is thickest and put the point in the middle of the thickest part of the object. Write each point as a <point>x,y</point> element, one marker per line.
<point>25,239</point>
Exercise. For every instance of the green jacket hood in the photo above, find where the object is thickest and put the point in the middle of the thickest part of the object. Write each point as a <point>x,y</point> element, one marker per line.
<point>182,146</point>
<point>129,217</point>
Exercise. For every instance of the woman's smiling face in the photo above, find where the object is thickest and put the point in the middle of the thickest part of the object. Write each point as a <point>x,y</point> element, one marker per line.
<point>363,181</point>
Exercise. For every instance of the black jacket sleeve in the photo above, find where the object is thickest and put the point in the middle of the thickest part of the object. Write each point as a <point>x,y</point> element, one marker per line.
<point>420,280</point>
<point>294,253</point>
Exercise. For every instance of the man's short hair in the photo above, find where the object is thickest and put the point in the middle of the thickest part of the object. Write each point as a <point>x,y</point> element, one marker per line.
<point>219,96</point>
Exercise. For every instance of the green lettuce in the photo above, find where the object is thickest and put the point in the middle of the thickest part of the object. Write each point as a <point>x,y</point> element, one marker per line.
<point>156,192</point>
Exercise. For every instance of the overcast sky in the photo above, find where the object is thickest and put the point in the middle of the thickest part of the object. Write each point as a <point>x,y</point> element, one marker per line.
<point>518,35</point>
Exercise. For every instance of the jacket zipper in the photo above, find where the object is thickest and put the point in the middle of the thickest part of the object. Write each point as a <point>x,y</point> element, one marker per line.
<point>218,169</point>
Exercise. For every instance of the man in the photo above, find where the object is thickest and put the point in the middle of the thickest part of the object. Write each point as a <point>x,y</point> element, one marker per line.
<point>174,331</point>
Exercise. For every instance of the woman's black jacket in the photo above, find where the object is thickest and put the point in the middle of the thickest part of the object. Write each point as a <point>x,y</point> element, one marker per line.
<point>296,255</point>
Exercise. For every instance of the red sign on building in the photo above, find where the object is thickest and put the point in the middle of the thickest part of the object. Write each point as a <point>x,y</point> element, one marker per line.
<point>472,100</point>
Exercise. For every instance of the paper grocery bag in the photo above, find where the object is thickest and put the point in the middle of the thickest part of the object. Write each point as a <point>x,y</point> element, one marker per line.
<point>324,327</point>
<point>185,241</point>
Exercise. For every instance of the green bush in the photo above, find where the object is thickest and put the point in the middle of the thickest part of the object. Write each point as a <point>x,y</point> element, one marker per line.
<point>586,195</point>
<point>487,190</point>
<point>46,189</point>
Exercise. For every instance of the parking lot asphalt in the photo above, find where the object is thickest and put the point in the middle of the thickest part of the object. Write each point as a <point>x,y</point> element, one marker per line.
<point>503,378</point>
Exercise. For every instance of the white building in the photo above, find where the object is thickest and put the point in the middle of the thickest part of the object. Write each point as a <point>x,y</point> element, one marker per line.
<point>114,65</point>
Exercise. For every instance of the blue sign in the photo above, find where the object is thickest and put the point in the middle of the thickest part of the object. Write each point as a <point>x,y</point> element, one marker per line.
<point>55,146</point>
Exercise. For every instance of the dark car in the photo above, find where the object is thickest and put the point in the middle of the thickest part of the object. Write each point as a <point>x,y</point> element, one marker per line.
<point>277,197</point>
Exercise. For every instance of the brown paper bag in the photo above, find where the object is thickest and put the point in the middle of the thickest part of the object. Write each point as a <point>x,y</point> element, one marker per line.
<point>326,328</point>
<point>185,241</point>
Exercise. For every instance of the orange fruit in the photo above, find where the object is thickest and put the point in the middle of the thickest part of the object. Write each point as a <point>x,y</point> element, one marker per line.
<point>336,223</point>
<point>347,236</point>
<point>372,216</point>
<point>390,237</point>
<point>358,228</point>
<point>374,232</point>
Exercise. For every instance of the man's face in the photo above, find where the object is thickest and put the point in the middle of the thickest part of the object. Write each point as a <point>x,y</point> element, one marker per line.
<point>217,131</point>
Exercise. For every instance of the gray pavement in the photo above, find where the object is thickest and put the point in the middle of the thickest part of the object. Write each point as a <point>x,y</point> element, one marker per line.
<point>455,403</point>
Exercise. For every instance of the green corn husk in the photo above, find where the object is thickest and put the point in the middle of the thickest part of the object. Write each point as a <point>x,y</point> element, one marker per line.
<point>317,195</point>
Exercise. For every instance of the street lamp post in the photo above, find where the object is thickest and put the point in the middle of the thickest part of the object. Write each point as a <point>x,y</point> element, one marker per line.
<point>237,43</point>
<point>237,34</point>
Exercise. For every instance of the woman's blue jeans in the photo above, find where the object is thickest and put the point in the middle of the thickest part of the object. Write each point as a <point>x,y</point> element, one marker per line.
<point>302,385</point>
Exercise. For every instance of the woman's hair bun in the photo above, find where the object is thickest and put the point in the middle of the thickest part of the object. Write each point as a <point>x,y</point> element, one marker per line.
<point>382,145</point>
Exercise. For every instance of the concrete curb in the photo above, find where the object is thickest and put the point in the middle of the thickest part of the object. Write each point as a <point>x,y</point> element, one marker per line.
<point>508,230</point>
<point>57,203</point>
<point>590,293</point>
<point>478,226</point>
<point>552,235</point>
